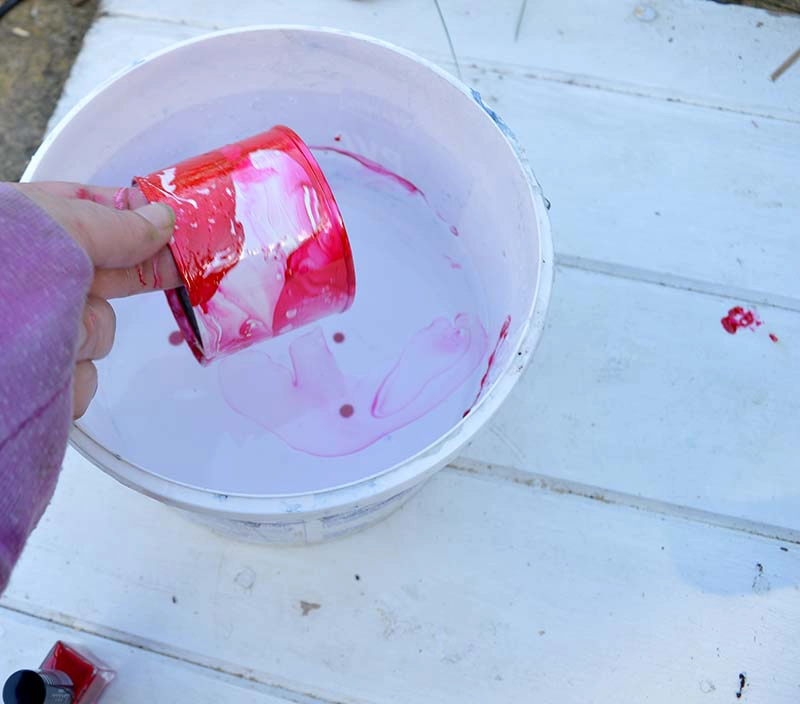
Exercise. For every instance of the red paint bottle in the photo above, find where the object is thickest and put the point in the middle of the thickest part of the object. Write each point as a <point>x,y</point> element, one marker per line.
<point>68,675</point>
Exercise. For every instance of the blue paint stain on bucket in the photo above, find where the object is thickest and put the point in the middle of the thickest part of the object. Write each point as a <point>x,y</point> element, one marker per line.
<point>495,117</point>
<point>512,140</point>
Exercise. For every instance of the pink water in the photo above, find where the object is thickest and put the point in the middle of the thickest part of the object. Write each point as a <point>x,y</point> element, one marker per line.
<point>395,178</point>
<point>317,408</point>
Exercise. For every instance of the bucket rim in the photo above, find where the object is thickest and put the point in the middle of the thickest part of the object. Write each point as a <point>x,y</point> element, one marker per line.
<point>393,479</point>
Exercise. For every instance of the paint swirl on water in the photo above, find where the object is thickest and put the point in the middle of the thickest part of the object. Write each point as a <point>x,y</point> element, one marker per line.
<point>316,408</point>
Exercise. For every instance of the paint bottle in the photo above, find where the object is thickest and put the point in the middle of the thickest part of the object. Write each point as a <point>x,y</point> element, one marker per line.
<point>259,242</point>
<point>68,675</point>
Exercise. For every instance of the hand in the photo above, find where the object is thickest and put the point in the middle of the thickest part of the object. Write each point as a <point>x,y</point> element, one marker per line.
<point>129,253</point>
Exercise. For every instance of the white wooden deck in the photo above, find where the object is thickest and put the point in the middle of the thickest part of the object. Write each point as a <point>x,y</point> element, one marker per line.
<point>627,529</point>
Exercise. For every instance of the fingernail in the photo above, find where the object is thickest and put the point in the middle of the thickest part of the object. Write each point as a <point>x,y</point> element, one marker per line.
<point>83,333</point>
<point>159,215</point>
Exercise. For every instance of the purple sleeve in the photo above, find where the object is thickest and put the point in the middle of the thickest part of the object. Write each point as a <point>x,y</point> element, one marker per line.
<point>43,285</point>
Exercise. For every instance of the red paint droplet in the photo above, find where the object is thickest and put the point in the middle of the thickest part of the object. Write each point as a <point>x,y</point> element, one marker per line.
<point>492,357</point>
<point>82,194</point>
<point>738,318</point>
<point>773,337</point>
<point>176,338</point>
<point>338,337</point>
<point>338,138</point>
<point>454,230</point>
<point>346,411</point>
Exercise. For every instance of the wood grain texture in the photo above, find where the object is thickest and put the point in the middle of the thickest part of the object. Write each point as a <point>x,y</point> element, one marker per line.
<point>480,590</point>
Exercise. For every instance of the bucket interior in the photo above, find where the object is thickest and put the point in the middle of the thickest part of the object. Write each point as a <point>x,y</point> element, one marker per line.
<point>444,237</point>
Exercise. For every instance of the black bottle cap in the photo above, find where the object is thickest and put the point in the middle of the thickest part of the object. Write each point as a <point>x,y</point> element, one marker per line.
<point>31,687</point>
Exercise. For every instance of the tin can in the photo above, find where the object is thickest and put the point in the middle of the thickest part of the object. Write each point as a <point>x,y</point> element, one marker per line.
<point>259,242</point>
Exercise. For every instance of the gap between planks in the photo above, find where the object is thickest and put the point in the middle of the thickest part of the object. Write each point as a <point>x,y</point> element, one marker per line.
<point>660,278</point>
<point>529,72</point>
<point>263,683</point>
<point>534,480</point>
<point>237,675</point>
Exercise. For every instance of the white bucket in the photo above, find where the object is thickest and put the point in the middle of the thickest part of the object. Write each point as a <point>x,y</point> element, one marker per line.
<point>453,258</point>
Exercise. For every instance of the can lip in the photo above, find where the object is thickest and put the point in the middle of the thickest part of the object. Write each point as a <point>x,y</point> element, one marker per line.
<point>336,214</point>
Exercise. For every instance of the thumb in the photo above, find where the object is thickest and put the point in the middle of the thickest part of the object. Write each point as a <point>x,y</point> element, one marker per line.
<point>112,238</point>
<point>119,238</point>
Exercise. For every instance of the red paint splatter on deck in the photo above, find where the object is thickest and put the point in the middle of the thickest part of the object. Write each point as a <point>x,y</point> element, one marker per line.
<point>773,337</point>
<point>453,229</point>
<point>346,411</point>
<point>738,318</point>
<point>453,263</point>
<point>338,138</point>
<point>176,338</point>
<point>338,337</point>
<point>140,273</point>
<point>501,338</point>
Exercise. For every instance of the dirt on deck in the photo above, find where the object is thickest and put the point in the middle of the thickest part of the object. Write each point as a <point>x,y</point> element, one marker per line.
<point>39,40</point>
<point>779,6</point>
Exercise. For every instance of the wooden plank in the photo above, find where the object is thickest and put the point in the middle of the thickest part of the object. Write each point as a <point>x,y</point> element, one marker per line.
<point>638,388</point>
<point>411,23</point>
<point>142,676</point>
<point>700,52</point>
<point>697,194</point>
<point>479,590</point>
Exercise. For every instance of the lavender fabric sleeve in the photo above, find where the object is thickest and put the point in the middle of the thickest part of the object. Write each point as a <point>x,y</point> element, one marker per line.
<point>43,286</point>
